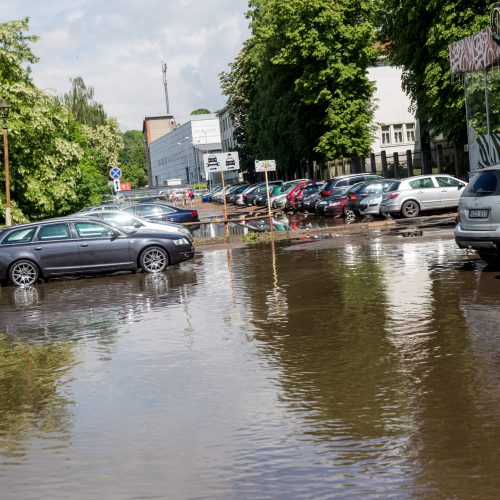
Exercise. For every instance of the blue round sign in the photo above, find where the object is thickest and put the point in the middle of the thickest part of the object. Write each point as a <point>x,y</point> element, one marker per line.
<point>115,173</point>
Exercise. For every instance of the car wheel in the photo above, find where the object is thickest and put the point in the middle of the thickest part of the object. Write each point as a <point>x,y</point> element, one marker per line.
<point>23,273</point>
<point>154,260</point>
<point>489,257</point>
<point>410,209</point>
<point>349,213</point>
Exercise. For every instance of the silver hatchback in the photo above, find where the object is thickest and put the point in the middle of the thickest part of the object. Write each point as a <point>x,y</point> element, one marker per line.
<point>413,195</point>
<point>478,224</point>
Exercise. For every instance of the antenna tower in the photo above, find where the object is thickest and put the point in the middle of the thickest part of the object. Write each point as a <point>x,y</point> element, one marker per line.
<point>164,69</point>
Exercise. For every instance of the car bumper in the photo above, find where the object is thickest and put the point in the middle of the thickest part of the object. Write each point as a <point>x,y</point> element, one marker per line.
<point>390,207</point>
<point>477,240</point>
<point>335,211</point>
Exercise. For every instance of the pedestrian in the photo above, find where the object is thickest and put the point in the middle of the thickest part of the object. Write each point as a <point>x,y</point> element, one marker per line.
<point>173,199</point>
<point>184,198</point>
<point>191,197</point>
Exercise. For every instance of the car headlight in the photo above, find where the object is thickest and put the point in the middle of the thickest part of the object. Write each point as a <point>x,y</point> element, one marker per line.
<point>182,241</point>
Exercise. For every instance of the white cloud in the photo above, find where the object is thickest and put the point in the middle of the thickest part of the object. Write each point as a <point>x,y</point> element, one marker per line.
<point>118,47</point>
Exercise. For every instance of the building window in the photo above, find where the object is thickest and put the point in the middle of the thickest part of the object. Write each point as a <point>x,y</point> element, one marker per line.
<point>410,132</point>
<point>386,134</point>
<point>398,133</point>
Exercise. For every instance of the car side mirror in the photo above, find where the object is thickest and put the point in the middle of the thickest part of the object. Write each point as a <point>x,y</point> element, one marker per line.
<point>114,235</point>
<point>460,186</point>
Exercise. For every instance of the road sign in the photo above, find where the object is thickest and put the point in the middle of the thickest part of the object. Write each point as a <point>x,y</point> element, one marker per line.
<point>115,173</point>
<point>265,165</point>
<point>221,162</point>
<point>116,185</point>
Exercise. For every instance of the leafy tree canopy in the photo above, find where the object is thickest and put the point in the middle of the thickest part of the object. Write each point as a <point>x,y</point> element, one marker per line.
<point>418,34</point>
<point>298,89</point>
<point>200,111</point>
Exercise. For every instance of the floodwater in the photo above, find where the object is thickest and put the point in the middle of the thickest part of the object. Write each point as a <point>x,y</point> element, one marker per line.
<point>366,369</point>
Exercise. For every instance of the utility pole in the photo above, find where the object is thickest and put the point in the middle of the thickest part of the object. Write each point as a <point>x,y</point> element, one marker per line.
<point>164,69</point>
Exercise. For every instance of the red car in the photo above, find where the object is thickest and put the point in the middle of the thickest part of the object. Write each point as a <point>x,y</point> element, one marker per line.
<point>295,194</point>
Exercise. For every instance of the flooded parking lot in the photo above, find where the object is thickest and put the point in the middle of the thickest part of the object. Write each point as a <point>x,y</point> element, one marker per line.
<point>363,367</point>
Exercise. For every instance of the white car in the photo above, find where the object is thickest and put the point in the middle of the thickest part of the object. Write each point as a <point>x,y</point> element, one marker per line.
<point>478,224</point>
<point>131,221</point>
<point>408,197</point>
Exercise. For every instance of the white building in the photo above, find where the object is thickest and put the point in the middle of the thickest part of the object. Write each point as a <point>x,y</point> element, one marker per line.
<point>226,129</point>
<point>396,129</point>
<point>178,155</point>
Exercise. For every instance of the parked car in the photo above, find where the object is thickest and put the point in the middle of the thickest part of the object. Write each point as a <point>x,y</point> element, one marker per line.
<point>478,224</point>
<point>370,206</point>
<point>161,212</point>
<point>260,190</point>
<point>73,246</point>
<point>342,183</point>
<point>362,190</point>
<point>207,197</point>
<point>231,197</point>
<point>279,193</point>
<point>409,197</point>
<point>306,191</point>
<point>130,221</point>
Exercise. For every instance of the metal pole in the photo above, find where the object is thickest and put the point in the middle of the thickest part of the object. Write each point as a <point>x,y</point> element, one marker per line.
<point>8,215</point>
<point>225,207</point>
<point>269,204</point>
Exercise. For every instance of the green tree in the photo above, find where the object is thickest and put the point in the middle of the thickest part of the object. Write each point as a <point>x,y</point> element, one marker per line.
<point>298,89</point>
<point>80,101</point>
<point>132,159</point>
<point>200,111</point>
<point>418,34</point>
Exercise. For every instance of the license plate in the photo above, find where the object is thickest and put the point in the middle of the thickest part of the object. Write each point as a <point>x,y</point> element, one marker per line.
<point>477,213</point>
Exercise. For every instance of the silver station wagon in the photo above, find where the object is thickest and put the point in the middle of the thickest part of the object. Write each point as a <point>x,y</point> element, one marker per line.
<point>408,197</point>
<point>478,224</point>
<point>73,246</point>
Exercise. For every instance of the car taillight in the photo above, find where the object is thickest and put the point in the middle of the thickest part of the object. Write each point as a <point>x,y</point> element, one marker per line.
<point>324,194</point>
<point>352,197</point>
<point>394,195</point>
<point>194,213</point>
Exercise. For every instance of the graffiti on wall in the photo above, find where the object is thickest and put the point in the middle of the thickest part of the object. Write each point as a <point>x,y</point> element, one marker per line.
<point>473,53</point>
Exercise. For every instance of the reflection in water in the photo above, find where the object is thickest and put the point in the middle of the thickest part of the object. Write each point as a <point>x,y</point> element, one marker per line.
<point>370,370</point>
<point>32,404</point>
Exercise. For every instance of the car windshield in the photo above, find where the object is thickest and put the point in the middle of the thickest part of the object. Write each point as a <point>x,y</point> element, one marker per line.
<point>120,227</point>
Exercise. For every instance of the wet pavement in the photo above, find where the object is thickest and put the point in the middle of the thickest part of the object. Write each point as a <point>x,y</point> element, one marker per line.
<point>342,367</point>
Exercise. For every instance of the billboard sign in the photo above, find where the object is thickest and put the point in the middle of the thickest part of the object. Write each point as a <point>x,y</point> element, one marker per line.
<point>221,162</point>
<point>265,165</point>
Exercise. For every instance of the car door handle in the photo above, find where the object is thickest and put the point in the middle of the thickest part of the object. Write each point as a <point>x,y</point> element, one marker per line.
<point>84,244</point>
<point>38,248</point>
<point>444,190</point>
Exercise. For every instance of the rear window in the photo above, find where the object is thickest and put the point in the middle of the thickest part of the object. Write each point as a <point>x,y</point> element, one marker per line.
<point>19,236</point>
<point>393,186</point>
<point>484,184</point>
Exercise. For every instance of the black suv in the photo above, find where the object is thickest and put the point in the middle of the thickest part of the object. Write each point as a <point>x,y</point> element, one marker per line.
<point>337,185</point>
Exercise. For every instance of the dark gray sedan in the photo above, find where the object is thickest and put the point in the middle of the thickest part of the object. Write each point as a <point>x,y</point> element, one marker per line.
<point>72,246</point>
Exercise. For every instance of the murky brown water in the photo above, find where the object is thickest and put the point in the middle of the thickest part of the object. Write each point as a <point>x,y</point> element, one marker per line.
<point>371,370</point>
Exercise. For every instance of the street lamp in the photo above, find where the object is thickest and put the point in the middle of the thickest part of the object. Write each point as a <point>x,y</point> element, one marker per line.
<point>4,115</point>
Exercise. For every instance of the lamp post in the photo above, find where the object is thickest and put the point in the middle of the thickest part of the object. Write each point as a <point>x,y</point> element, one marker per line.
<point>4,115</point>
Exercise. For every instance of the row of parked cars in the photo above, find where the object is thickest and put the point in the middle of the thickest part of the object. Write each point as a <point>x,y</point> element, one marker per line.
<point>98,239</point>
<point>350,195</point>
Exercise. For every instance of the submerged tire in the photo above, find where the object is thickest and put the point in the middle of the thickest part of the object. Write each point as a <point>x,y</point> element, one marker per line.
<point>490,257</point>
<point>410,209</point>
<point>154,260</point>
<point>23,273</point>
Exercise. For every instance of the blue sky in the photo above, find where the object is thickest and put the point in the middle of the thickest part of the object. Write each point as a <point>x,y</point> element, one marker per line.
<point>118,46</point>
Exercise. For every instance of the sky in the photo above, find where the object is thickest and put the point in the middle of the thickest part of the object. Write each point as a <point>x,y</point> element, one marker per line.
<point>118,47</point>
